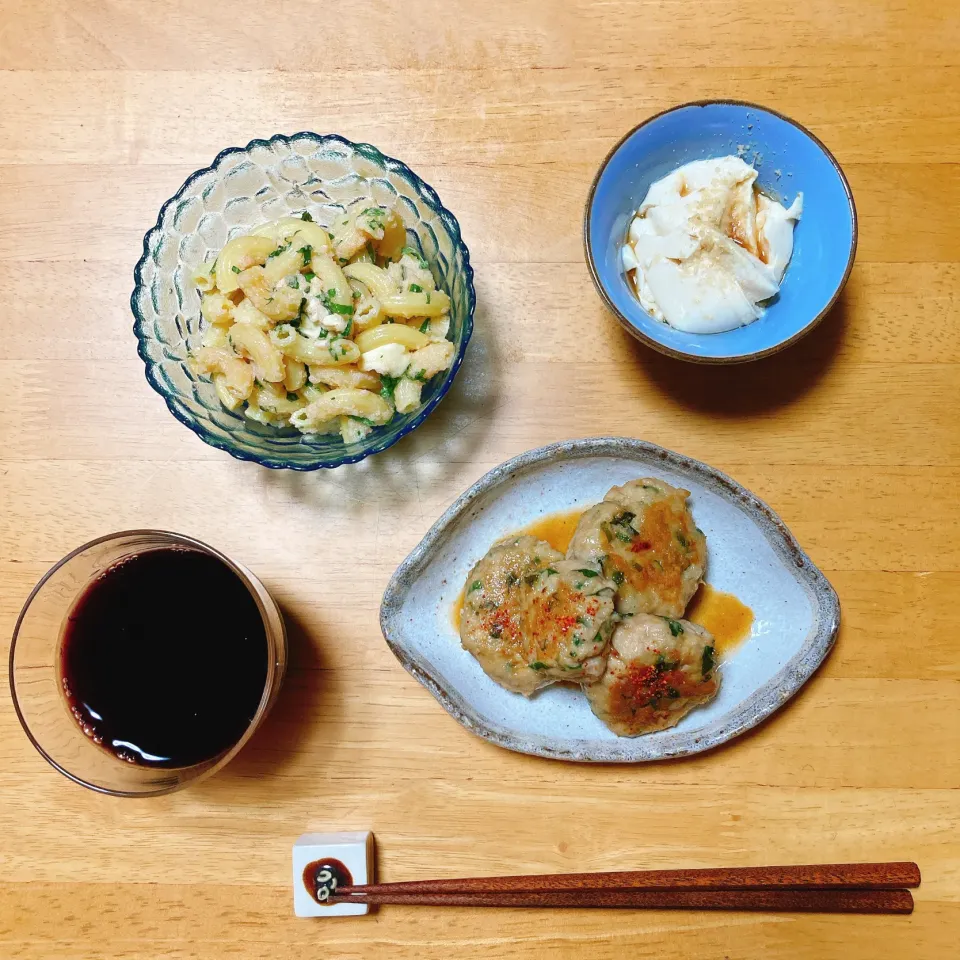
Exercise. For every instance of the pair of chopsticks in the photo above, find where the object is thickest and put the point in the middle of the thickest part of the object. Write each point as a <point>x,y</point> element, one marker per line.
<point>820,888</point>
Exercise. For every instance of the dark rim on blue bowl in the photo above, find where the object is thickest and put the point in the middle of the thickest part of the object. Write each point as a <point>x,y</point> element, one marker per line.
<point>678,354</point>
<point>426,193</point>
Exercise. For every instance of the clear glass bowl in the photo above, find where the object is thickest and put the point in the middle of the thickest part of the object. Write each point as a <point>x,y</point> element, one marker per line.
<point>35,673</point>
<point>243,187</point>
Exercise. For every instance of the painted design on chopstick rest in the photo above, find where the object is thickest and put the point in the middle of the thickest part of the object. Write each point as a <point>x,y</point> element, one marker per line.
<point>323,878</point>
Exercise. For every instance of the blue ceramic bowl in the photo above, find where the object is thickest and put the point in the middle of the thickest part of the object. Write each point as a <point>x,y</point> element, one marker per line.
<point>789,159</point>
<point>242,188</point>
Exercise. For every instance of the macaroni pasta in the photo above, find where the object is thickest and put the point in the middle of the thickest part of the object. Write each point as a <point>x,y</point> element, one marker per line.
<point>325,330</point>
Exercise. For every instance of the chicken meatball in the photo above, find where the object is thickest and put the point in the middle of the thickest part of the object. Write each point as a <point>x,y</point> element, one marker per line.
<point>646,541</point>
<point>531,618</point>
<point>658,670</point>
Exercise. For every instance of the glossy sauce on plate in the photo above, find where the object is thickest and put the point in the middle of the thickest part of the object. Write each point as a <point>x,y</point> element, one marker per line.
<point>725,616</point>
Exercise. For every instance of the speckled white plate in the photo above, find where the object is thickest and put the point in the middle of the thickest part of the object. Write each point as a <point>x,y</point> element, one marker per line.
<point>750,554</point>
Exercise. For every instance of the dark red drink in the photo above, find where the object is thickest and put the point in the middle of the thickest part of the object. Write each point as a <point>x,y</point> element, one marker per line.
<point>163,660</point>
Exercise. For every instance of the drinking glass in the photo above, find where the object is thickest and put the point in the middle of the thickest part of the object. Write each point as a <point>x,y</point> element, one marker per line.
<point>35,680</point>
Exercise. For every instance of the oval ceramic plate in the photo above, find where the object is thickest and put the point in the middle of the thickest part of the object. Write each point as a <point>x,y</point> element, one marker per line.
<point>750,554</point>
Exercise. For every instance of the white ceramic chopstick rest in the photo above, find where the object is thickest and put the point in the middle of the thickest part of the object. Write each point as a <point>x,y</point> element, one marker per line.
<point>324,861</point>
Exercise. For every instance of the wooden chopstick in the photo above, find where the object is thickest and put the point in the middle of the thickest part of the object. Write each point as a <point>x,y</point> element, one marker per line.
<point>865,876</point>
<point>783,900</point>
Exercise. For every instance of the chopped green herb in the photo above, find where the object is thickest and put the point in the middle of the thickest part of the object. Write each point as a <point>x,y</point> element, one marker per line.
<point>416,288</point>
<point>235,269</point>
<point>213,266</point>
<point>344,309</point>
<point>347,328</point>
<point>682,540</point>
<point>292,281</point>
<point>292,397</point>
<point>428,296</point>
<point>375,217</point>
<point>425,326</point>
<point>581,620</point>
<point>309,276</point>
<point>329,234</point>
<point>298,319</point>
<point>531,578</point>
<point>589,574</point>
<point>512,579</point>
<point>278,251</point>
<point>658,565</point>
<point>416,256</point>
<point>420,375</point>
<point>676,628</point>
<point>538,665</point>
<point>306,252</point>
<point>387,385</point>
<point>306,216</point>
<point>476,585</point>
<point>356,294</point>
<point>257,382</point>
<point>365,421</point>
<point>663,663</point>
<point>706,664</point>
<point>615,533</point>
<point>550,572</point>
<point>617,577</point>
<point>619,527</point>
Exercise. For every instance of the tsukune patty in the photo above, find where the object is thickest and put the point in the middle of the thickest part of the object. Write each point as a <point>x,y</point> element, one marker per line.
<point>646,542</point>
<point>658,670</point>
<point>531,618</point>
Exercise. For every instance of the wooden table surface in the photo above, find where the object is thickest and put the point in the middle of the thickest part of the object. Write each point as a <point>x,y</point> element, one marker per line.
<point>507,108</point>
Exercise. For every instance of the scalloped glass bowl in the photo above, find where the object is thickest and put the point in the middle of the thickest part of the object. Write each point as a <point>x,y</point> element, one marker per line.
<point>243,187</point>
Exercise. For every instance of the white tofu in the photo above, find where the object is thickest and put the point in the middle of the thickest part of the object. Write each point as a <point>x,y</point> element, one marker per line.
<point>706,250</point>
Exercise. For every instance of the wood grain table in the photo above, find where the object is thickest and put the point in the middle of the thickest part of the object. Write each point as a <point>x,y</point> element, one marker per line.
<point>507,108</point>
